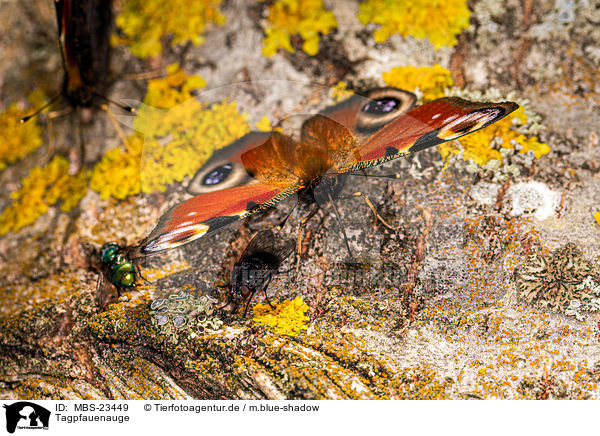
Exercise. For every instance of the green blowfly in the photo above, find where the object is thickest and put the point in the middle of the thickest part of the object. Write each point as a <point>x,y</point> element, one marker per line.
<point>118,272</point>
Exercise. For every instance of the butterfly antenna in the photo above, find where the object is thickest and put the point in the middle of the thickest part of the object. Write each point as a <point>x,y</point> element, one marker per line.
<point>339,218</point>
<point>108,100</point>
<point>376,176</point>
<point>282,223</point>
<point>51,102</point>
<point>115,124</point>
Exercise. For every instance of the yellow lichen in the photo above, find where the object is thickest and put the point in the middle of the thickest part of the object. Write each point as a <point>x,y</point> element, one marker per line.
<point>177,134</point>
<point>431,82</point>
<point>438,20</point>
<point>287,318</point>
<point>264,125</point>
<point>17,139</point>
<point>145,23</point>
<point>41,189</point>
<point>117,174</point>
<point>478,146</point>
<point>308,18</point>
<point>177,87</point>
<point>194,131</point>
<point>340,92</point>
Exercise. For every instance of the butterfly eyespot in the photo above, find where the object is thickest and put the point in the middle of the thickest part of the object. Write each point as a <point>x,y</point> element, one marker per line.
<point>382,106</point>
<point>217,175</point>
<point>220,175</point>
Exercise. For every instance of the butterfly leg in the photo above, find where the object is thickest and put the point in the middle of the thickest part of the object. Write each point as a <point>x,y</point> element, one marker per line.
<point>301,234</point>
<point>115,124</point>
<point>373,209</point>
<point>339,218</point>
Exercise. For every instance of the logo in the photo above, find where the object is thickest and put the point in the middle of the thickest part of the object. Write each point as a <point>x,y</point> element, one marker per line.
<point>26,415</point>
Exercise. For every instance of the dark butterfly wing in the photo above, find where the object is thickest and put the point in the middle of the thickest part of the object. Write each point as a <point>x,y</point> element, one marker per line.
<point>83,27</point>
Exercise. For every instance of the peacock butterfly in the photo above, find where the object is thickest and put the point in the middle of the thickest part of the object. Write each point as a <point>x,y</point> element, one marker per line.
<point>83,34</point>
<point>261,169</point>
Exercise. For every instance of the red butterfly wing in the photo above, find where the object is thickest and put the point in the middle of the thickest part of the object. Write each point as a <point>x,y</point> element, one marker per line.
<point>428,125</point>
<point>244,178</point>
<point>206,213</point>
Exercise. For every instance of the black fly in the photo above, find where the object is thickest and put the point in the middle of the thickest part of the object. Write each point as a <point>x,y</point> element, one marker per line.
<point>258,263</point>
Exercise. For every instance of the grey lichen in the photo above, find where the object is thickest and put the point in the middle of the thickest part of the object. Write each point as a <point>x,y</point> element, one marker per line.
<point>184,311</point>
<point>562,281</point>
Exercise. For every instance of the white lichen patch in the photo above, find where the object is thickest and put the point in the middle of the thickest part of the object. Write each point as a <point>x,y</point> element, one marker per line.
<point>534,198</point>
<point>485,193</point>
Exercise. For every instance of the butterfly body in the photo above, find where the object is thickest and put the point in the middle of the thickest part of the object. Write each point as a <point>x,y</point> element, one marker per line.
<point>260,169</point>
<point>83,30</point>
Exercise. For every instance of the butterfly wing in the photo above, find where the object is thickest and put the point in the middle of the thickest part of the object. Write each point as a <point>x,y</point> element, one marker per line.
<point>366,114</point>
<point>206,213</point>
<point>428,125</point>
<point>245,178</point>
<point>384,125</point>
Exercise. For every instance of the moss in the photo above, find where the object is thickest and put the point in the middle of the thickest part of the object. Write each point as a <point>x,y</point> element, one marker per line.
<point>184,311</point>
<point>430,82</point>
<point>42,188</point>
<point>287,318</point>
<point>438,20</point>
<point>17,139</point>
<point>146,23</point>
<point>264,125</point>
<point>308,18</point>
<point>195,130</point>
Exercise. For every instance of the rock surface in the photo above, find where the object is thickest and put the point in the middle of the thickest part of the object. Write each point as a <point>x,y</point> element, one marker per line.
<point>433,307</point>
